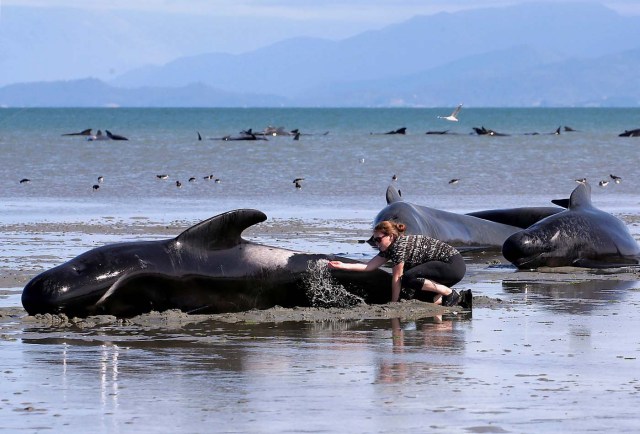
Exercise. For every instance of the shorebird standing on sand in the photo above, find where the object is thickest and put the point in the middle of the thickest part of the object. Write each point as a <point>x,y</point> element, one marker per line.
<point>453,116</point>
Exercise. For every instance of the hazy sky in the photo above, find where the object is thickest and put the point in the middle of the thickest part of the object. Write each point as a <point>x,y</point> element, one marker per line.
<point>69,41</point>
<point>332,19</point>
<point>373,12</point>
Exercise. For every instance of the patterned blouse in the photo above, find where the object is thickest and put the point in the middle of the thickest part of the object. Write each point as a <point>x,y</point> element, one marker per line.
<point>414,250</point>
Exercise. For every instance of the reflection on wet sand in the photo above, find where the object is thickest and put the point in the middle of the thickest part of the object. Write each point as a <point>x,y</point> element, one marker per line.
<point>232,371</point>
<point>262,349</point>
<point>421,337</point>
<point>575,297</point>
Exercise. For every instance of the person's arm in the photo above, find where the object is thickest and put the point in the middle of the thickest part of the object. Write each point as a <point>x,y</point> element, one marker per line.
<point>375,262</point>
<point>396,281</point>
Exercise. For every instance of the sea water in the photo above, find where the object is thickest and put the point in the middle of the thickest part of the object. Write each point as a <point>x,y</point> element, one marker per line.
<point>345,160</point>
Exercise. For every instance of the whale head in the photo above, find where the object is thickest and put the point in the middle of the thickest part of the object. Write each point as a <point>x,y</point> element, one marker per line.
<point>76,286</point>
<point>581,235</point>
<point>81,285</point>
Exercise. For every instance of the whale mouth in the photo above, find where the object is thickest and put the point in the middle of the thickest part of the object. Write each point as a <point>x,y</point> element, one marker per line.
<point>542,260</point>
<point>529,262</point>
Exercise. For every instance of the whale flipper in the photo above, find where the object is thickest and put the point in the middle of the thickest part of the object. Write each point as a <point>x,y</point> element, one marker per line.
<point>222,231</point>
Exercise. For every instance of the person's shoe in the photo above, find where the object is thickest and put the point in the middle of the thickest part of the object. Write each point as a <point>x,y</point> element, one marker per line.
<point>451,299</point>
<point>466,299</point>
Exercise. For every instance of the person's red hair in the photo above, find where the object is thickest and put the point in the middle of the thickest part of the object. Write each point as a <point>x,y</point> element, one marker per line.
<point>388,227</point>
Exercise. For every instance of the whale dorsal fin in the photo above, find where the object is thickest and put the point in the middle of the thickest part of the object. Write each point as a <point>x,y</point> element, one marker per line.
<point>581,196</point>
<point>221,231</point>
<point>393,195</point>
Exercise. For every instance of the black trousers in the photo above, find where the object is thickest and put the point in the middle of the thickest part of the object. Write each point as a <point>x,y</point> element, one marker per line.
<point>446,273</point>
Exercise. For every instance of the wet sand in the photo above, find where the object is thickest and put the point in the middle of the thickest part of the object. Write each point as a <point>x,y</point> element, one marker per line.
<point>539,353</point>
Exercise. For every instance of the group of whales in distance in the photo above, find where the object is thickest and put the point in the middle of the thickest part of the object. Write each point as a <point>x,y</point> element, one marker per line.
<point>249,134</point>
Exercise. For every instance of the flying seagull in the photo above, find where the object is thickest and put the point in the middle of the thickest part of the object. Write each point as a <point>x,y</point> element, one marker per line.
<point>453,116</point>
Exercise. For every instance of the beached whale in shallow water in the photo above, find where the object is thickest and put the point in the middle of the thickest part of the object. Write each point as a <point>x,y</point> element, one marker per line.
<point>582,236</point>
<point>630,133</point>
<point>208,268</point>
<point>86,132</point>
<point>459,230</point>
<point>487,228</point>
<point>522,217</point>
<point>482,131</point>
<point>115,136</point>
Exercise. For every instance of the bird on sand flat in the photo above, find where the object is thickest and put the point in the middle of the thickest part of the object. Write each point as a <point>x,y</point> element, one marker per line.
<point>453,117</point>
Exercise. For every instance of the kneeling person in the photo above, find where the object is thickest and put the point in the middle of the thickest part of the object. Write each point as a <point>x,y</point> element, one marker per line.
<point>422,267</point>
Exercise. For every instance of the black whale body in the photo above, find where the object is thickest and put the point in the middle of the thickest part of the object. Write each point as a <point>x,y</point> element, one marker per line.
<point>460,230</point>
<point>581,236</point>
<point>209,268</point>
<point>630,133</point>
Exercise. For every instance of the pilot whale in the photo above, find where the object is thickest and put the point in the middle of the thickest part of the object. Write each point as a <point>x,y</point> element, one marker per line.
<point>581,236</point>
<point>208,268</point>
<point>486,228</point>
<point>459,230</point>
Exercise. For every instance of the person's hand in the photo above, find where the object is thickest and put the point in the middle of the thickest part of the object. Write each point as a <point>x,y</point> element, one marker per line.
<point>335,264</point>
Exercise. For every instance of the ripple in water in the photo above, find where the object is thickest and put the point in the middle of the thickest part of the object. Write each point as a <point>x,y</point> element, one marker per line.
<point>323,291</point>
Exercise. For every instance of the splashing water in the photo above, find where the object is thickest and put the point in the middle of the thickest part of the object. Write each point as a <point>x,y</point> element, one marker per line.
<point>323,291</point>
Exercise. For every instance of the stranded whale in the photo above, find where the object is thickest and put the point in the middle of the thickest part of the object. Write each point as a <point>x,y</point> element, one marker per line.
<point>488,228</point>
<point>459,230</point>
<point>208,268</point>
<point>582,236</point>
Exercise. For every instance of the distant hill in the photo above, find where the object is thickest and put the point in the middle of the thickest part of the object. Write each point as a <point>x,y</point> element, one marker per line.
<point>537,54</point>
<point>96,93</point>
<point>518,77</point>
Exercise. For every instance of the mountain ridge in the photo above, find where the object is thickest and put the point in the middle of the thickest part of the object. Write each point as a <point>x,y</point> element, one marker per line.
<point>507,56</point>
